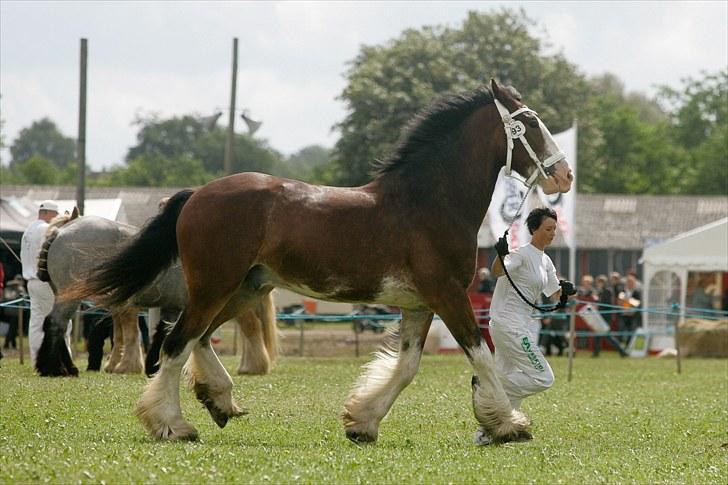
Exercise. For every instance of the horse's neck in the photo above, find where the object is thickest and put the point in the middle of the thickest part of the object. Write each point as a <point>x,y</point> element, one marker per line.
<point>460,189</point>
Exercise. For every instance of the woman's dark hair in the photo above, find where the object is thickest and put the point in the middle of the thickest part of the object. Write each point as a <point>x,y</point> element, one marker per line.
<point>536,217</point>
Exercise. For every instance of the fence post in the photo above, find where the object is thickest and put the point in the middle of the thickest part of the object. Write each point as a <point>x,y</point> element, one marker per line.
<point>572,340</point>
<point>20,333</point>
<point>300,339</point>
<point>356,338</point>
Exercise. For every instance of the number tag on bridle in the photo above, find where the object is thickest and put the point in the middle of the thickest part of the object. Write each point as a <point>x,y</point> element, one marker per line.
<point>518,129</point>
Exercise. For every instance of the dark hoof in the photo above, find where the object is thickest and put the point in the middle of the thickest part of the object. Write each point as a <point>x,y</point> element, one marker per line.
<point>516,437</point>
<point>218,415</point>
<point>219,418</point>
<point>359,438</point>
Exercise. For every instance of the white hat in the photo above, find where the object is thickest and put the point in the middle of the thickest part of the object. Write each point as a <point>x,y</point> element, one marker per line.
<point>49,205</point>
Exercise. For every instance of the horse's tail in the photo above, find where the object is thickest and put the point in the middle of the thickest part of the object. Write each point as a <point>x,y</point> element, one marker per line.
<point>113,282</point>
<point>267,313</point>
<point>50,236</point>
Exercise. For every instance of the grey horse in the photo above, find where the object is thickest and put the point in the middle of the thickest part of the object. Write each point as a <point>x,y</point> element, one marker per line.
<point>73,246</point>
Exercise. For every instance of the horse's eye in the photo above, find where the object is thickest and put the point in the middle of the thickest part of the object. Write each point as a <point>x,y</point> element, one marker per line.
<point>533,123</point>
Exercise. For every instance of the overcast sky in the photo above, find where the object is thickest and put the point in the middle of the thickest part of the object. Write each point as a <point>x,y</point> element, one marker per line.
<point>174,58</point>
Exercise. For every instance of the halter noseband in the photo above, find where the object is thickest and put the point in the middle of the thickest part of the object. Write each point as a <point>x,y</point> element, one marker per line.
<point>515,129</point>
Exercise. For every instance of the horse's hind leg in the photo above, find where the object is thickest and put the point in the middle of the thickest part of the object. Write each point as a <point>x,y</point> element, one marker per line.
<point>254,359</point>
<point>384,378</point>
<point>131,359</point>
<point>117,346</point>
<point>206,375</point>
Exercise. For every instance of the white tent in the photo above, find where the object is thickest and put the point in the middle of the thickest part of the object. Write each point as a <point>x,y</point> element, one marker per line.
<point>666,268</point>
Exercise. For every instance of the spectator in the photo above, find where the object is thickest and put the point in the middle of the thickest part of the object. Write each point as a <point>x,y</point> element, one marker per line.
<point>605,298</point>
<point>701,298</point>
<point>615,280</point>
<point>586,291</point>
<point>630,298</point>
<point>14,289</point>
<point>485,282</point>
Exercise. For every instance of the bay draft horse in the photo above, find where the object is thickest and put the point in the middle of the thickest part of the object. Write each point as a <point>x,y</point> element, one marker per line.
<point>408,239</point>
<point>73,246</point>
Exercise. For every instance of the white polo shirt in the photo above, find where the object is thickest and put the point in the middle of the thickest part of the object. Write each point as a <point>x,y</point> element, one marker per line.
<point>534,273</point>
<point>30,248</point>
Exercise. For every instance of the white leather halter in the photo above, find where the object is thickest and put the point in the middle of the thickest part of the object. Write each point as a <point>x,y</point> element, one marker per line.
<point>515,129</point>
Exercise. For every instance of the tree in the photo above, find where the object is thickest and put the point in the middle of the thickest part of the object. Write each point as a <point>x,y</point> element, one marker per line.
<point>37,171</point>
<point>192,137</point>
<point>388,84</point>
<point>43,139</point>
<point>699,120</point>
<point>308,164</point>
<point>156,170</point>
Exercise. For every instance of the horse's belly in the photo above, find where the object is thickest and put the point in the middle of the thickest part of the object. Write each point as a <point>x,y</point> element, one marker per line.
<point>390,291</point>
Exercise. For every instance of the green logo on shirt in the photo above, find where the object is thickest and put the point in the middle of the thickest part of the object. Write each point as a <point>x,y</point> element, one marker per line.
<point>526,346</point>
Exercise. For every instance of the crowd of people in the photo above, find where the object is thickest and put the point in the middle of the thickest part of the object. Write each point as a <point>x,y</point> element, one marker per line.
<point>606,293</point>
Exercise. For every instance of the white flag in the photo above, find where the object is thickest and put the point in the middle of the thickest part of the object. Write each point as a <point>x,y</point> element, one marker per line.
<point>507,196</point>
<point>565,204</point>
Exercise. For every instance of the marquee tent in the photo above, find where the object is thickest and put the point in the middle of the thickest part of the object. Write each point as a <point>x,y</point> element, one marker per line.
<point>666,268</point>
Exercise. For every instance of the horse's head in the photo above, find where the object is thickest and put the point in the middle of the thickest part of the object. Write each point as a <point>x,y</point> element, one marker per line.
<point>530,148</point>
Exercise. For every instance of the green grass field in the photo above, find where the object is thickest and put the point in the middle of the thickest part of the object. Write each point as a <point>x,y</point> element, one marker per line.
<point>618,421</point>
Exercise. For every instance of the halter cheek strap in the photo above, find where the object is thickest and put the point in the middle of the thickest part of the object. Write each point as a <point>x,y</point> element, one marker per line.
<point>515,129</point>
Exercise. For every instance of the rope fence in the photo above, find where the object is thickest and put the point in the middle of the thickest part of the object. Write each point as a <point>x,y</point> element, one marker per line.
<point>671,329</point>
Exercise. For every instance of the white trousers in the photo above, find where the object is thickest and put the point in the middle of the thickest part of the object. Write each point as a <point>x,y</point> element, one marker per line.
<point>521,366</point>
<point>41,305</point>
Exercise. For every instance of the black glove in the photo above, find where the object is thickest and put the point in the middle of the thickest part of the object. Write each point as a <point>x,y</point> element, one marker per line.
<point>567,289</point>
<point>501,247</point>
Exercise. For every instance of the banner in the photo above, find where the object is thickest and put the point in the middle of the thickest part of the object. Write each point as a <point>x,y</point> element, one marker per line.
<point>507,196</point>
<point>565,204</point>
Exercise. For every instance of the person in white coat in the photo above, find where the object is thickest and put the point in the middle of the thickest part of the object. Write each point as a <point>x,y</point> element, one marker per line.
<point>40,292</point>
<point>521,366</point>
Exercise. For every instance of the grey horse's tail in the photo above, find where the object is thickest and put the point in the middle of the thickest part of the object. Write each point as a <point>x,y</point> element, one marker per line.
<point>113,282</point>
<point>50,236</point>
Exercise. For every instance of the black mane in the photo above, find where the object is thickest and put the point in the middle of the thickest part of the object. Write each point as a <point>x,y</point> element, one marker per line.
<point>433,124</point>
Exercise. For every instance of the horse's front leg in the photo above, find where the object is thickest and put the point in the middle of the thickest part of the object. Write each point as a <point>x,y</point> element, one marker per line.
<point>498,420</point>
<point>384,378</point>
<point>131,359</point>
<point>206,375</point>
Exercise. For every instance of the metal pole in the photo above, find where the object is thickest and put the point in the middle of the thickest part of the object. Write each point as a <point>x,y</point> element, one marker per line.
<point>300,339</point>
<point>230,145</point>
<point>356,339</point>
<point>81,143</point>
<point>572,340</point>
<point>20,333</point>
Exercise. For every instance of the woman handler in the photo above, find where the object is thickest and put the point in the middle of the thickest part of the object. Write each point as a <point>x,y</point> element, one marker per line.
<point>521,366</point>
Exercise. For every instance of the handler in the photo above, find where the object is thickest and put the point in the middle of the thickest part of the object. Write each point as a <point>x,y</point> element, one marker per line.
<point>521,366</point>
<point>40,292</point>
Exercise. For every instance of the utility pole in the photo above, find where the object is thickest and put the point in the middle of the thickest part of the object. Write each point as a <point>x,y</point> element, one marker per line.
<point>81,143</point>
<point>230,146</point>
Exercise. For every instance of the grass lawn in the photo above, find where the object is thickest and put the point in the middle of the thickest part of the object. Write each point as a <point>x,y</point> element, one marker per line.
<point>618,421</point>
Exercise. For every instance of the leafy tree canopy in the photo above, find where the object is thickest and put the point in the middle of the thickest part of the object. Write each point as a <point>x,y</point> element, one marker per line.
<point>388,84</point>
<point>43,139</point>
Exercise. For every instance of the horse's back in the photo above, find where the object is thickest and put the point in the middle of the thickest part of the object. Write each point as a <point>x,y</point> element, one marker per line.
<point>81,244</point>
<point>334,243</point>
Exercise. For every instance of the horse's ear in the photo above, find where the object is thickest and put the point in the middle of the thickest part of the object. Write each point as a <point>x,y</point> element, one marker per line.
<point>496,89</point>
<point>74,213</point>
